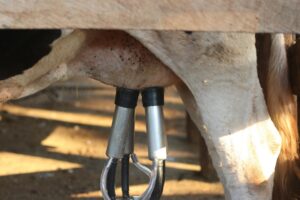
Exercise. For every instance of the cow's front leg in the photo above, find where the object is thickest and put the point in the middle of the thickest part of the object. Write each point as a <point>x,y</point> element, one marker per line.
<point>225,100</point>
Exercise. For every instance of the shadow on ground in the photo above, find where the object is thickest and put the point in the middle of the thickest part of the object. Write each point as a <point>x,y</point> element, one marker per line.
<point>51,159</point>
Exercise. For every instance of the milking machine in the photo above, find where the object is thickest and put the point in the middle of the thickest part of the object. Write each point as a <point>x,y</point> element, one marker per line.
<point>120,147</point>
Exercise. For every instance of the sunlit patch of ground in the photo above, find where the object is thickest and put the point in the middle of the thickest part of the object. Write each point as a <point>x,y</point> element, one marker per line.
<point>175,188</point>
<point>30,164</point>
<point>52,146</point>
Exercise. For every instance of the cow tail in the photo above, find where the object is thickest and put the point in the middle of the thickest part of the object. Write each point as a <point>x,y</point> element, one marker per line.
<point>282,108</point>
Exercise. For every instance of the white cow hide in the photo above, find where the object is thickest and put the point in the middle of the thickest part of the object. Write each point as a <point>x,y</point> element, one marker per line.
<point>226,102</point>
<point>223,95</point>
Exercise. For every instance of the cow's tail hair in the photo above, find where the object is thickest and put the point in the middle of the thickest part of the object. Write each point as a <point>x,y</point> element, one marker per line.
<point>282,108</point>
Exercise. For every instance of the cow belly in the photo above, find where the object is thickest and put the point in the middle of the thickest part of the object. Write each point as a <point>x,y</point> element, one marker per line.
<point>223,95</point>
<point>112,57</point>
<point>116,58</point>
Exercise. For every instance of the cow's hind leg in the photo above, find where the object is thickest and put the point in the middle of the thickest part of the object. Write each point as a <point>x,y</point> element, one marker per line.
<point>223,96</point>
<point>194,136</point>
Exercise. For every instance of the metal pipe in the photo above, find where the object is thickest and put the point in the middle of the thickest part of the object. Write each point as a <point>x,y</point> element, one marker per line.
<point>122,126</point>
<point>160,181</point>
<point>157,142</point>
<point>120,141</point>
<point>153,100</point>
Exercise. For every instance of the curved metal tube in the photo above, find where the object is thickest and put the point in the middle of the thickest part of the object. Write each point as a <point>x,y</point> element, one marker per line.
<point>103,179</point>
<point>147,194</point>
<point>151,173</point>
<point>160,181</point>
<point>141,167</point>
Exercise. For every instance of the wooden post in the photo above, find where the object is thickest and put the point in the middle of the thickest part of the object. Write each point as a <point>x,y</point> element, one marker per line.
<point>194,15</point>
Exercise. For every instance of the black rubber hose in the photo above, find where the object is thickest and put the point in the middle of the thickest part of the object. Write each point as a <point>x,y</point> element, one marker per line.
<point>160,181</point>
<point>125,177</point>
<point>111,179</point>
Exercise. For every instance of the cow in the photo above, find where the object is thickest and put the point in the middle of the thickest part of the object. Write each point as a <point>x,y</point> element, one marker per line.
<point>249,127</point>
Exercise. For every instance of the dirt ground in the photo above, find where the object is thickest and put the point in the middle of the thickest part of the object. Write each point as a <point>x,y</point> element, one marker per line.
<point>52,146</point>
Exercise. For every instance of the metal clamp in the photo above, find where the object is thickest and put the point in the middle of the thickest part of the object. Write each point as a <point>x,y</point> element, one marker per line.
<point>121,144</point>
